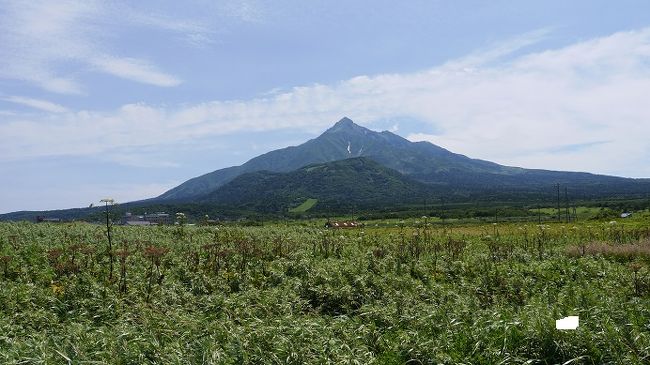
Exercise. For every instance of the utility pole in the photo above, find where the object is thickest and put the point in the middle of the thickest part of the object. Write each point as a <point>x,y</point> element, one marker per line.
<point>566,204</point>
<point>558,203</point>
<point>109,201</point>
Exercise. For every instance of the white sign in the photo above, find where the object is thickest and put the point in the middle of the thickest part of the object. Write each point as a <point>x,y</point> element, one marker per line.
<point>567,323</point>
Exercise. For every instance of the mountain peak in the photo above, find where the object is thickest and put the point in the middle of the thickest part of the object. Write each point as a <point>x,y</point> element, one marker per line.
<point>345,121</point>
<point>346,125</point>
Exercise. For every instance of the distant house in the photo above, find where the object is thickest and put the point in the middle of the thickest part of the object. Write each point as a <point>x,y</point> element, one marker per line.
<point>131,219</point>
<point>159,218</point>
<point>626,215</point>
<point>42,219</point>
<point>343,224</point>
<point>152,219</point>
<point>137,223</point>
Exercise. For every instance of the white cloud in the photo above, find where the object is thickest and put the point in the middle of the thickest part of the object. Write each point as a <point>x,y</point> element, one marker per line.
<point>44,105</point>
<point>136,70</point>
<point>35,36</point>
<point>40,40</point>
<point>497,51</point>
<point>56,84</point>
<point>516,110</point>
<point>54,44</point>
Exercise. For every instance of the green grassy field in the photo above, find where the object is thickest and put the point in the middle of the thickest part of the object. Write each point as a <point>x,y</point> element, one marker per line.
<point>582,213</point>
<point>305,206</point>
<point>296,293</point>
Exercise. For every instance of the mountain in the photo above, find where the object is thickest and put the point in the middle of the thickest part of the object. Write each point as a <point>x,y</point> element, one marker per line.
<point>345,139</point>
<point>339,185</point>
<point>421,161</point>
<point>330,146</point>
<point>350,166</point>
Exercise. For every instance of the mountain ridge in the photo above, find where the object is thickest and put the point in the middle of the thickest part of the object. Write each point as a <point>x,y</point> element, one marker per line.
<point>446,175</point>
<point>343,140</point>
<point>421,161</point>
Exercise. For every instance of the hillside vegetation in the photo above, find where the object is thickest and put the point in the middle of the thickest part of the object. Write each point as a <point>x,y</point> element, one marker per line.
<point>337,186</point>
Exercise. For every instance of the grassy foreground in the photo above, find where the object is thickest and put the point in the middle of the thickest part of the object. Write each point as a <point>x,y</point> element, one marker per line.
<point>295,294</point>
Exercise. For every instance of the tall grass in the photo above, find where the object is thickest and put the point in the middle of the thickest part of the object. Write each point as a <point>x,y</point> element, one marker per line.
<point>212,295</point>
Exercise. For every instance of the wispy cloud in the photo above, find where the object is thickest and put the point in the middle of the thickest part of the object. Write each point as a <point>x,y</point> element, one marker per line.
<point>36,36</point>
<point>37,104</point>
<point>245,10</point>
<point>136,70</point>
<point>496,52</point>
<point>576,147</point>
<point>40,40</point>
<point>54,44</point>
<point>196,32</point>
<point>517,112</point>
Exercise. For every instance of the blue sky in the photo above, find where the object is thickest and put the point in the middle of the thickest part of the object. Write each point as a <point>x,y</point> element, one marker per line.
<point>128,99</point>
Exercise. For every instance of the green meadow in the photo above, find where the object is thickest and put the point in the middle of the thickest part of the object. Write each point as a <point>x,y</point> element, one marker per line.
<point>413,291</point>
<point>305,206</point>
